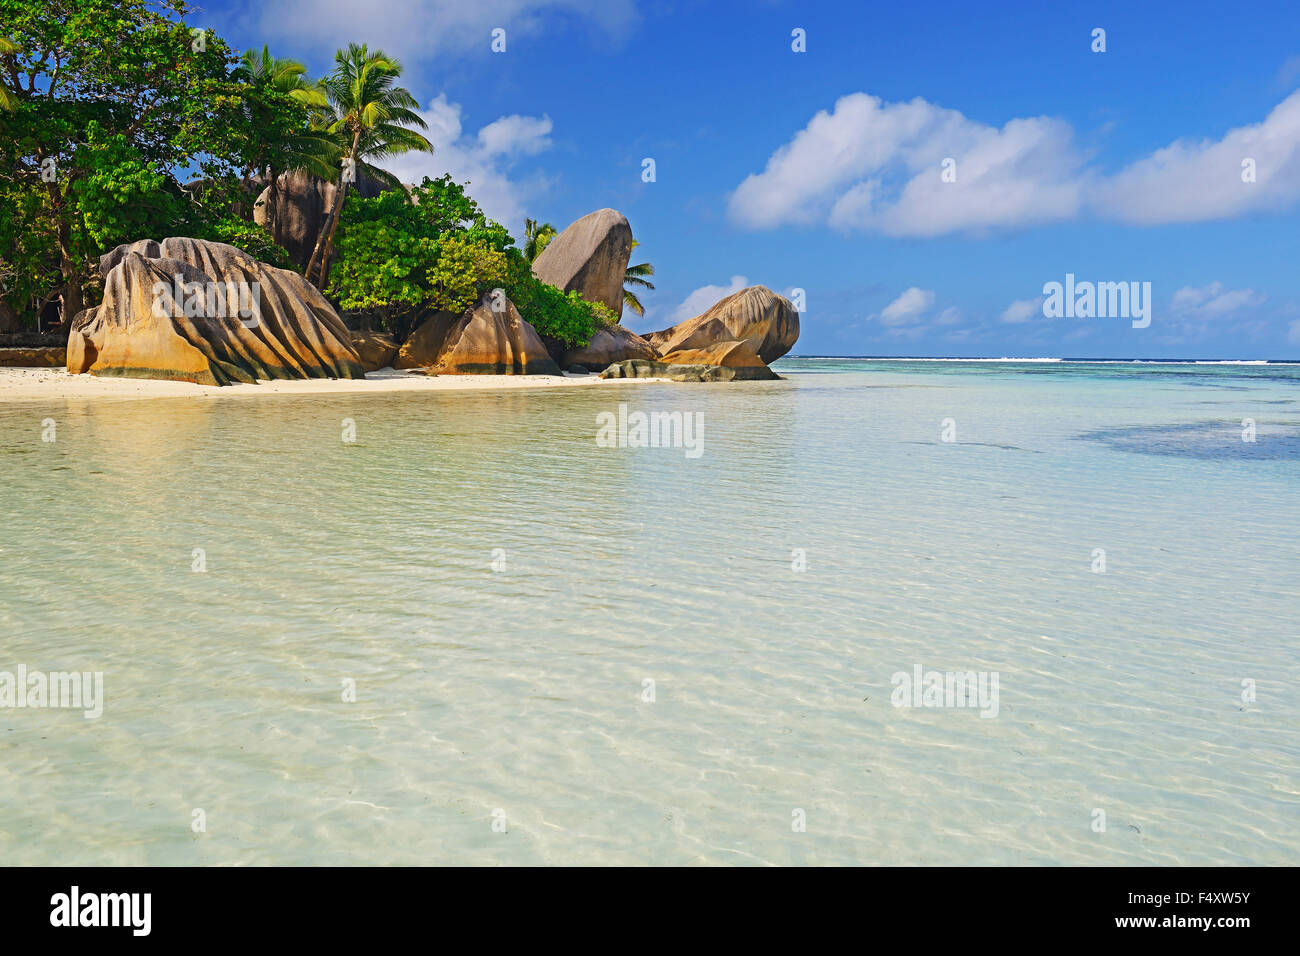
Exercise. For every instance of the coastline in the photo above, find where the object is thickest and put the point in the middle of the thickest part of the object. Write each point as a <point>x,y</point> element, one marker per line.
<point>28,383</point>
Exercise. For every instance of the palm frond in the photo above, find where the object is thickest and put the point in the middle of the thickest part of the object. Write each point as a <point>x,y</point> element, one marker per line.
<point>372,119</point>
<point>392,135</point>
<point>537,236</point>
<point>382,176</point>
<point>312,96</point>
<point>8,102</point>
<point>636,276</point>
<point>315,154</point>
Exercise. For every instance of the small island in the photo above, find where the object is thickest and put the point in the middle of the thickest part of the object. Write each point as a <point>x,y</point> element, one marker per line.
<point>294,255</point>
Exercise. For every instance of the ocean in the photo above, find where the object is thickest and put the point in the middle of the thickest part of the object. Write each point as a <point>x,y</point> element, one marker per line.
<point>456,628</point>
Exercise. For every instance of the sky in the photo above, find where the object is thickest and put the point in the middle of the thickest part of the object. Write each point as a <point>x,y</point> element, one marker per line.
<point>917,174</point>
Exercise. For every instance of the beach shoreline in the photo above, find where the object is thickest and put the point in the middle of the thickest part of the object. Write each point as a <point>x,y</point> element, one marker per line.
<point>56,383</point>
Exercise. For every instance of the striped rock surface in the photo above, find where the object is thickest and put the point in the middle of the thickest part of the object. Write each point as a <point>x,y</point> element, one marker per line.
<point>196,311</point>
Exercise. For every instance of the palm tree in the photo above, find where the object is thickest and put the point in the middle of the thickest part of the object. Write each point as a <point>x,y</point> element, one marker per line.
<point>7,101</point>
<point>309,149</point>
<point>284,76</point>
<point>370,115</point>
<point>536,238</point>
<point>636,275</point>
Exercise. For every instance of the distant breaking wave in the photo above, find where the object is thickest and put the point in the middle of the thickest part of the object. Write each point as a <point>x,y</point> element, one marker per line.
<point>896,358</point>
<point>1003,359</point>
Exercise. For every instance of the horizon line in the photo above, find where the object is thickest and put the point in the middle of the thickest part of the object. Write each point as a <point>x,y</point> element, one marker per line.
<point>1048,359</point>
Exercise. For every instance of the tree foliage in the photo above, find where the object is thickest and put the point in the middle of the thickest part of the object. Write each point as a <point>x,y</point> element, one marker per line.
<point>537,236</point>
<point>120,121</point>
<point>401,258</point>
<point>639,276</point>
<point>372,118</point>
<point>114,103</point>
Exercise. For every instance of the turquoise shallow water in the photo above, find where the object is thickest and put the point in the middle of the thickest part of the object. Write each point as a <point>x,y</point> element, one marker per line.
<point>522,688</point>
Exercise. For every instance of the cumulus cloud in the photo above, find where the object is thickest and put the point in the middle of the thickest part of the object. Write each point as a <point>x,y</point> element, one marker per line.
<point>1021,311</point>
<point>1196,181</point>
<point>515,135</point>
<point>908,307</point>
<point>873,165</point>
<point>1213,301</point>
<point>876,166</point>
<point>484,160</point>
<point>418,30</point>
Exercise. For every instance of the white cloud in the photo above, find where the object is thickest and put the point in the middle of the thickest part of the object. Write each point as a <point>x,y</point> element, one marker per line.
<point>516,135</point>
<point>483,160</point>
<point>1196,181</point>
<point>873,165</point>
<point>1021,311</point>
<point>908,307</point>
<point>704,297</point>
<point>878,166</point>
<point>1213,301</point>
<point>417,31</point>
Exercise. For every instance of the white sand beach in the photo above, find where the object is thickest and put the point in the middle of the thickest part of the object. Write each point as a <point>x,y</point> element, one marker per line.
<point>23,383</point>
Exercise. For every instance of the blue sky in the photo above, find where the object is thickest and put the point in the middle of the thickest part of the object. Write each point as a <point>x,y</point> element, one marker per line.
<point>821,170</point>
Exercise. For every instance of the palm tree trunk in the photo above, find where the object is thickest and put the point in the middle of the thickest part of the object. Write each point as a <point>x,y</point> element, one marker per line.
<point>272,202</point>
<point>326,264</point>
<point>245,185</point>
<point>316,266</point>
<point>320,255</point>
<point>67,263</point>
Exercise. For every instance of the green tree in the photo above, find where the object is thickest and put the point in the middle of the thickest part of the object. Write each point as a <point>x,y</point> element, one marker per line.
<point>371,115</point>
<point>565,317</point>
<point>118,194</point>
<point>29,252</point>
<point>130,73</point>
<point>400,258</point>
<point>283,138</point>
<point>637,276</point>
<point>536,238</point>
<point>7,101</point>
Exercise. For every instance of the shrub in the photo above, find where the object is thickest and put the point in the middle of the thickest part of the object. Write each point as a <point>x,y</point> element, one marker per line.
<point>564,316</point>
<point>250,237</point>
<point>400,257</point>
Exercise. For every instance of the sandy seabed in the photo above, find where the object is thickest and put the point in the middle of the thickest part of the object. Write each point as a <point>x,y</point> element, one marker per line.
<point>21,383</point>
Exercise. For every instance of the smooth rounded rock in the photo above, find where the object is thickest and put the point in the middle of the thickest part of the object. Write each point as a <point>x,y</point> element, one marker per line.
<point>610,343</point>
<point>757,315</point>
<point>196,311</point>
<point>591,257</point>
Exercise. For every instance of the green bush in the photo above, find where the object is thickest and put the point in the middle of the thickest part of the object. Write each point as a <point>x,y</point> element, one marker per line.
<point>251,238</point>
<point>565,316</point>
<point>400,258</point>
